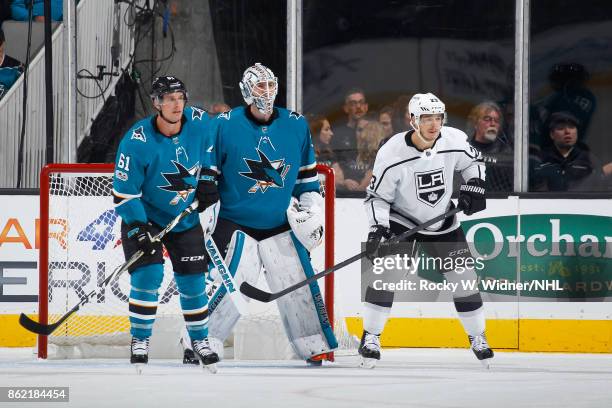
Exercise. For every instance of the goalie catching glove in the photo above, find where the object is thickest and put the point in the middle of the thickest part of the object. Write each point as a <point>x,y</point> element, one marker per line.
<point>305,219</point>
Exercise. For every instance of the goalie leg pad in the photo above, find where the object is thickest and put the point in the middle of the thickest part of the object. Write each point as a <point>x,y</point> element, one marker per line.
<point>303,311</point>
<point>144,291</point>
<point>194,302</point>
<point>244,264</point>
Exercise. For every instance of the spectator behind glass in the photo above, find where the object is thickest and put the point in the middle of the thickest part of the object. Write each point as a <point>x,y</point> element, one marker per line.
<point>344,142</point>
<point>485,124</point>
<point>322,135</point>
<point>401,116</point>
<point>385,118</point>
<point>569,95</point>
<point>567,165</point>
<point>10,68</point>
<point>19,10</point>
<point>356,174</point>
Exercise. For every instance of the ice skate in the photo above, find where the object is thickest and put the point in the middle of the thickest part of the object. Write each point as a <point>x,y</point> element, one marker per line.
<point>189,356</point>
<point>203,351</point>
<point>369,349</point>
<point>316,361</point>
<point>481,349</point>
<point>139,353</point>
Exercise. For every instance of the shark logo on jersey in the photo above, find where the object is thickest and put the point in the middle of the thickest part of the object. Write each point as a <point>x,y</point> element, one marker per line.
<point>430,186</point>
<point>196,113</point>
<point>139,134</point>
<point>294,115</point>
<point>225,115</point>
<point>183,182</point>
<point>266,173</point>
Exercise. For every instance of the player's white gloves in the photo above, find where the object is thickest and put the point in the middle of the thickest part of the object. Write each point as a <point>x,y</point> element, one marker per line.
<point>306,219</point>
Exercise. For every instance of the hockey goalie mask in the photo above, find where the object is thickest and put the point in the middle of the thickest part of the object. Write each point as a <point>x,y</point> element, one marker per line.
<point>426,104</point>
<point>259,86</point>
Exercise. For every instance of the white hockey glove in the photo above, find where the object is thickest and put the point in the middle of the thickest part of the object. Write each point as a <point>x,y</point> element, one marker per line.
<point>306,219</point>
<point>208,218</point>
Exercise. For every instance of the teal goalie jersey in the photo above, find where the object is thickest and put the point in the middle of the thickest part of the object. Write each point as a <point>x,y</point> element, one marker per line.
<point>262,165</point>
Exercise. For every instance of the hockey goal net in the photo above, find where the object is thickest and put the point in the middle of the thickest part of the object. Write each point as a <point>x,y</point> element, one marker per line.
<point>81,245</point>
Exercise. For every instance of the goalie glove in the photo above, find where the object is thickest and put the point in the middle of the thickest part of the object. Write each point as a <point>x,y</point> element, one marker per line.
<point>306,221</point>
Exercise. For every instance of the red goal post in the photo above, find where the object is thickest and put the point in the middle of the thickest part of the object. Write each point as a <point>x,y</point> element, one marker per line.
<point>84,186</point>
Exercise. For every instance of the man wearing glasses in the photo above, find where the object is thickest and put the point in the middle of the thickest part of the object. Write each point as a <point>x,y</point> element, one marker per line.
<point>344,141</point>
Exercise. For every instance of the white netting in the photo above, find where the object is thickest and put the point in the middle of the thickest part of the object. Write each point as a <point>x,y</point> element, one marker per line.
<point>84,248</point>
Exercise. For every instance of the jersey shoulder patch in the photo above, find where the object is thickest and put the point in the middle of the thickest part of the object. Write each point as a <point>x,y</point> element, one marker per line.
<point>197,113</point>
<point>225,115</point>
<point>295,115</point>
<point>139,134</point>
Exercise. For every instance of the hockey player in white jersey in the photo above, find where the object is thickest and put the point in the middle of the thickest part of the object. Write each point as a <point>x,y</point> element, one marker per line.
<point>412,182</point>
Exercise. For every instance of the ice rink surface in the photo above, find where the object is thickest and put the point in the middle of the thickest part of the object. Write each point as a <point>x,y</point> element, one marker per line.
<point>427,378</point>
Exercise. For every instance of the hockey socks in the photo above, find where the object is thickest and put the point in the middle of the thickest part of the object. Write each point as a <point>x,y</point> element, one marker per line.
<point>194,303</point>
<point>145,282</point>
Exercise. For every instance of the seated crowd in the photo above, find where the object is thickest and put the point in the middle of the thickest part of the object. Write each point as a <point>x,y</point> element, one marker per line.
<point>559,163</point>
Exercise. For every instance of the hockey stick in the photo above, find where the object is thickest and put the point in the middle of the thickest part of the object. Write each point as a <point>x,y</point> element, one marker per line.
<point>263,296</point>
<point>47,329</point>
<point>226,277</point>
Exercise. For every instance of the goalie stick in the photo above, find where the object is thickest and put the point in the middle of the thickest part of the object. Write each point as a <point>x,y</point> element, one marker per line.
<point>263,296</point>
<point>226,277</point>
<point>47,329</point>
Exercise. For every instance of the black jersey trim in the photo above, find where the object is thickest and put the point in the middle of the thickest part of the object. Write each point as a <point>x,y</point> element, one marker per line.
<point>308,173</point>
<point>370,197</point>
<point>249,115</point>
<point>409,143</point>
<point>460,151</point>
<point>373,212</point>
<point>382,176</point>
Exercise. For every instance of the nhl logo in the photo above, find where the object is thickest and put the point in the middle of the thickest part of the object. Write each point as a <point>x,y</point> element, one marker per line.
<point>430,186</point>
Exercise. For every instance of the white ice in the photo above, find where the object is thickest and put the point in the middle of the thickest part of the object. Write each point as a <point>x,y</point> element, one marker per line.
<point>426,378</point>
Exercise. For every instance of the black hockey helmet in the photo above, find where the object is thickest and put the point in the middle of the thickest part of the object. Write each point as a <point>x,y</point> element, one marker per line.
<point>167,84</point>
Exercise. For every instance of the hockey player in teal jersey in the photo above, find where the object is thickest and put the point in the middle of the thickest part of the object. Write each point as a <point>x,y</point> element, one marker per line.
<point>270,215</point>
<point>163,163</point>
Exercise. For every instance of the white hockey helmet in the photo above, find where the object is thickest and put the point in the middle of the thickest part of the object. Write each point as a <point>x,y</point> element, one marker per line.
<point>254,75</point>
<point>426,104</point>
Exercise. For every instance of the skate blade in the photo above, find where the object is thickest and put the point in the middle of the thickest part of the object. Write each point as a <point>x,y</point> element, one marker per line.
<point>212,368</point>
<point>368,363</point>
<point>486,363</point>
<point>139,367</point>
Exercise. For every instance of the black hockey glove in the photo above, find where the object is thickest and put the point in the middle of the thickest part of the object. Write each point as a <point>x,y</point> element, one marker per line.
<point>472,196</point>
<point>377,235</point>
<point>140,234</point>
<point>207,192</point>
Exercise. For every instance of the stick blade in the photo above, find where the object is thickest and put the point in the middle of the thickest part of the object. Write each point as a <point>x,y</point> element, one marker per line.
<point>255,293</point>
<point>35,327</point>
